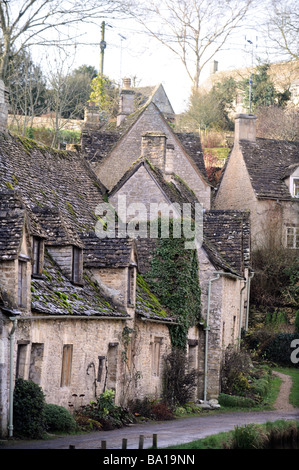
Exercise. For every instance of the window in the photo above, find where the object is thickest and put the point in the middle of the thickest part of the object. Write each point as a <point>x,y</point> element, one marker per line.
<point>21,358</point>
<point>76,267</point>
<point>37,256</point>
<point>131,276</point>
<point>156,353</point>
<point>295,187</point>
<point>67,357</point>
<point>36,362</point>
<point>22,283</point>
<point>292,237</point>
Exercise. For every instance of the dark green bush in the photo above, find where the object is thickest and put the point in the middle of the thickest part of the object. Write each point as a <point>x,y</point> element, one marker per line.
<point>59,419</point>
<point>279,350</point>
<point>28,412</point>
<point>235,401</point>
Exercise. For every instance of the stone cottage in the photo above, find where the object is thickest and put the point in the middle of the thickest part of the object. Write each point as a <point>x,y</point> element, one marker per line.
<point>154,171</point>
<point>75,316</point>
<point>262,176</point>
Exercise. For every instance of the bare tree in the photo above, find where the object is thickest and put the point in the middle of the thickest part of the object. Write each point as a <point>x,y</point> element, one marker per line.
<point>24,23</point>
<point>283,27</point>
<point>194,30</point>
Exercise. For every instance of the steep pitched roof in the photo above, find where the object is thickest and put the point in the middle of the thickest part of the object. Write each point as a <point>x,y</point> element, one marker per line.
<point>98,144</point>
<point>175,190</point>
<point>54,294</point>
<point>147,304</point>
<point>269,162</point>
<point>49,178</point>
<point>192,144</point>
<point>229,232</point>
<point>60,194</point>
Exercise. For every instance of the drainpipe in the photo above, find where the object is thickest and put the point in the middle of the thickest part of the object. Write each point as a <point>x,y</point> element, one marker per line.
<point>206,329</point>
<point>248,299</point>
<point>241,311</point>
<point>11,338</point>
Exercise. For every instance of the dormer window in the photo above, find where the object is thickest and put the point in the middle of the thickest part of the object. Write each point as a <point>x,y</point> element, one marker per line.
<point>295,187</point>
<point>77,265</point>
<point>37,253</point>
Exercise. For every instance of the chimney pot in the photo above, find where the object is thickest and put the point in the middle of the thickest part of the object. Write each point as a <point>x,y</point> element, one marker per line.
<point>126,83</point>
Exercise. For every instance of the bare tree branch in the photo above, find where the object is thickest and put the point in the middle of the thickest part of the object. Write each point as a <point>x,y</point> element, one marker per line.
<point>194,30</point>
<point>24,22</point>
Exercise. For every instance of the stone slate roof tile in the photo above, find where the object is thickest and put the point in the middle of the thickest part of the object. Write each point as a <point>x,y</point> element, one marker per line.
<point>54,294</point>
<point>60,193</point>
<point>268,162</point>
<point>106,252</point>
<point>229,232</point>
<point>49,178</point>
<point>147,304</point>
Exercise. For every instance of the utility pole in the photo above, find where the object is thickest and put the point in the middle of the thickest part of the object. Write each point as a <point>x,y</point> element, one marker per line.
<point>251,73</point>
<point>103,47</point>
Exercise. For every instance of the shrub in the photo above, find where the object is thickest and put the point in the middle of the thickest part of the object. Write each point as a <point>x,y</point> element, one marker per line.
<point>178,386</point>
<point>279,350</point>
<point>105,412</point>
<point>161,411</point>
<point>59,418</point>
<point>235,401</point>
<point>234,369</point>
<point>29,404</point>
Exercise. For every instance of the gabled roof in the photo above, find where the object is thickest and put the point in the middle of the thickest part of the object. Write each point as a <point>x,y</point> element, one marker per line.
<point>98,144</point>
<point>268,163</point>
<point>48,178</point>
<point>229,232</point>
<point>226,233</point>
<point>175,190</point>
<point>60,194</point>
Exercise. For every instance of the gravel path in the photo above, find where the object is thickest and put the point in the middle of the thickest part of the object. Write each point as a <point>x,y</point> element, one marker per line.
<point>282,402</point>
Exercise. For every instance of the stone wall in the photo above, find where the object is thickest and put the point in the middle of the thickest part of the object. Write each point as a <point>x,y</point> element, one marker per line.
<point>45,121</point>
<point>224,317</point>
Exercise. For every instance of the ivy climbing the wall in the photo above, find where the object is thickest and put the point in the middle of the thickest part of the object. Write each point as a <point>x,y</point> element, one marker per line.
<point>173,278</point>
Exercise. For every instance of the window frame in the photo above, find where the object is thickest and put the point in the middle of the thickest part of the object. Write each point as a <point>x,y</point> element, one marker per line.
<point>293,181</point>
<point>295,238</point>
<point>77,265</point>
<point>66,368</point>
<point>22,282</point>
<point>37,262</point>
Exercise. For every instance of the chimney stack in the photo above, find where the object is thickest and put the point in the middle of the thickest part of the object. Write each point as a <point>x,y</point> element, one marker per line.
<point>3,107</point>
<point>245,127</point>
<point>126,101</point>
<point>153,147</point>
